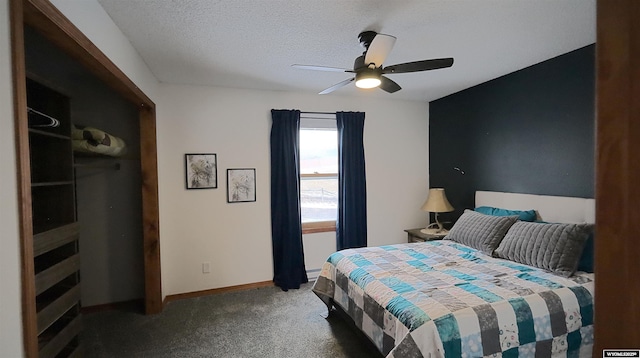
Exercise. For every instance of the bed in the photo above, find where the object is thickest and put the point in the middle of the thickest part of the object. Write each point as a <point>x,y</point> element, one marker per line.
<point>494,286</point>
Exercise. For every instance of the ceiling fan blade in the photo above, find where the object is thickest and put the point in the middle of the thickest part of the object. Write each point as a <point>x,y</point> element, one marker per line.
<point>321,68</point>
<point>337,85</point>
<point>417,66</point>
<point>389,85</point>
<point>379,49</point>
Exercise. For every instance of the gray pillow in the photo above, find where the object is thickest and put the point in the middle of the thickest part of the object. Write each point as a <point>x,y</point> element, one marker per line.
<point>482,232</point>
<point>553,247</point>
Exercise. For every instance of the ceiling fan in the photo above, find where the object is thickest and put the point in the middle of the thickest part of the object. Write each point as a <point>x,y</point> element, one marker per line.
<point>368,66</point>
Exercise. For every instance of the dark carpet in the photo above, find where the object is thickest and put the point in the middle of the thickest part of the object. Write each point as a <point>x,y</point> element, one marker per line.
<point>263,322</point>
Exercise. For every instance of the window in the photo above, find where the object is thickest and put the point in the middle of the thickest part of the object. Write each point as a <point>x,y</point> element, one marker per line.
<point>318,172</point>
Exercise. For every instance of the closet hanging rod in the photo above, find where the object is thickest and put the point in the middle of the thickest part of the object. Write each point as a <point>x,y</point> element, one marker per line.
<point>52,121</point>
<point>114,166</point>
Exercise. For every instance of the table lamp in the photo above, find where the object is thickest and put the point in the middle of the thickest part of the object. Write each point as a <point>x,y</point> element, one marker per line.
<point>436,203</point>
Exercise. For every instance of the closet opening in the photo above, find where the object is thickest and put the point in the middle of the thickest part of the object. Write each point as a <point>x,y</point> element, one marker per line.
<point>73,197</point>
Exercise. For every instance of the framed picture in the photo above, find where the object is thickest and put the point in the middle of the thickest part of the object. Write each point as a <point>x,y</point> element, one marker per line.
<point>241,185</point>
<point>201,171</point>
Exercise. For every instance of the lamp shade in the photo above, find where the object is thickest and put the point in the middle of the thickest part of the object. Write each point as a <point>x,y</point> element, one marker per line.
<point>437,202</point>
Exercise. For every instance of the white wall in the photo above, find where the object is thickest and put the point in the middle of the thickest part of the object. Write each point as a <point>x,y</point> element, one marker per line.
<point>199,226</point>
<point>10,307</point>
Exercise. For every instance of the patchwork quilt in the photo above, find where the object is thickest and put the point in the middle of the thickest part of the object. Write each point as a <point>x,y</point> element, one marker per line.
<point>444,299</point>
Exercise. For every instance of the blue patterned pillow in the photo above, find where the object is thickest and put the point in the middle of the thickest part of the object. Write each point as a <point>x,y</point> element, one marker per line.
<point>524,215</point>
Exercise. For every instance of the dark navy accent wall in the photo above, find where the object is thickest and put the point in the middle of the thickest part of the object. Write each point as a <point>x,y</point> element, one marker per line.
<point>531,131</point>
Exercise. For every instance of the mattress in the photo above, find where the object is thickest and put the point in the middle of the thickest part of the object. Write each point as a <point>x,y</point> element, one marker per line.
<point>445,299</point>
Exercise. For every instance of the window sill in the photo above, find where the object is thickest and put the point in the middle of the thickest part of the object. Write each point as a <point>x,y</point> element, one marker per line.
<point>316,227</point>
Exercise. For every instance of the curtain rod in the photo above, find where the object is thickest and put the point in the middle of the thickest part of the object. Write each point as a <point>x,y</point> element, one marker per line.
<point>310,115</point>
<point>318,118</point>
<point>304,112</point>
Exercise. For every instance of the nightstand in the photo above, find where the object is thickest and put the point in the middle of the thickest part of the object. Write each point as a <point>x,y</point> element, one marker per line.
<point>415,235</point>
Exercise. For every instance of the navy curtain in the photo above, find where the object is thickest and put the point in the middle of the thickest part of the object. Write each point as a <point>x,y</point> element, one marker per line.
<point>351,224</point>
<point>286,229</point>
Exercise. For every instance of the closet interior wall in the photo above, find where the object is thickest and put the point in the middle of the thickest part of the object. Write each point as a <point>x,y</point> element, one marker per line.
<point>108,190</point>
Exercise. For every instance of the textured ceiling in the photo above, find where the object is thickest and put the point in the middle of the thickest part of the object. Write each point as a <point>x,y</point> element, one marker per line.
<point>253,43</point>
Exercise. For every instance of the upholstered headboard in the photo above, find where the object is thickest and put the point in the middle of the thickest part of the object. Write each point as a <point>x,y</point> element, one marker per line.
<point>550,208</point>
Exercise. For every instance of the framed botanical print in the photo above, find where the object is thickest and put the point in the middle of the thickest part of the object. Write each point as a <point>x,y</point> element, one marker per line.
<point>241,185</point>
<point>201,171</point>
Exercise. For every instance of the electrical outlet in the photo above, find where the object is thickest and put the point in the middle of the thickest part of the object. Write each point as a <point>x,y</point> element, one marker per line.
<point>206,267</point>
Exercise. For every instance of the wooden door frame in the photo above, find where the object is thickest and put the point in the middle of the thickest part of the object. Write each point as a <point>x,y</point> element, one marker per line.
<point>48,20</point>
<point>617,245</point>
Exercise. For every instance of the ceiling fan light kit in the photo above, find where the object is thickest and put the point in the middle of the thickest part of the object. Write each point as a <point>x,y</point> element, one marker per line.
<point>368,66</point>
<point>367,79</point>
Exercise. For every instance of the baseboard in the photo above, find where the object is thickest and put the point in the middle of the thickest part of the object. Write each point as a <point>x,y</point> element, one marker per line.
<point>214,291</point>
<point>313,274</point>
<point>136,304</point>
